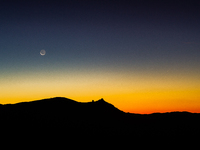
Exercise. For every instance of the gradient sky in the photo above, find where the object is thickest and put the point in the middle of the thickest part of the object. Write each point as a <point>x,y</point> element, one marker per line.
<point>141,55</point>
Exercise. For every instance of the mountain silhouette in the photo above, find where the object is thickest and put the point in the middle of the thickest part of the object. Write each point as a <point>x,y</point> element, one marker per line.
<point>58,118</point>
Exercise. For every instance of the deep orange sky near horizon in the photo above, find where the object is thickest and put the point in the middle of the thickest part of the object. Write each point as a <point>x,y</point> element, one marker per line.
<point>132,92</point>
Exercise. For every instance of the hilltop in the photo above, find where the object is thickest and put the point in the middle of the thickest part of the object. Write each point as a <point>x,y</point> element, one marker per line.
<point>57,117</point>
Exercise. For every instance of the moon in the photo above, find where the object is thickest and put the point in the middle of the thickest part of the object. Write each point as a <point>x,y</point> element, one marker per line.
<point>42,52</point>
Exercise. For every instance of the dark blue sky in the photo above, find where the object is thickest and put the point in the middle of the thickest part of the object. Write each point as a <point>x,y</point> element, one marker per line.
<point>101,32</point>
<point>115,25</point>
<point>150,38</point>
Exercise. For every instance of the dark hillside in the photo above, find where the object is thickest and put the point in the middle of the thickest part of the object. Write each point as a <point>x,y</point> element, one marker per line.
<point>60,117</point>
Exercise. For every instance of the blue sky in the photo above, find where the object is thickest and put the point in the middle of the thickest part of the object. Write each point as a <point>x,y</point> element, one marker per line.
<point>109,38</point>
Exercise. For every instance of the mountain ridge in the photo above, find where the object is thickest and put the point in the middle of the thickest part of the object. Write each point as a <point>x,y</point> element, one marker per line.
<point>95,118</point>
<point>102,102</point>
<point>65,103</point>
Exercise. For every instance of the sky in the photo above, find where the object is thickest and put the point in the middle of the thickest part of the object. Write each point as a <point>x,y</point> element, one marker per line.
<point>141,56</point>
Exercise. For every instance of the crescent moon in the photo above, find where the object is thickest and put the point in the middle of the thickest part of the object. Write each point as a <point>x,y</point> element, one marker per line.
<point>42,52</point>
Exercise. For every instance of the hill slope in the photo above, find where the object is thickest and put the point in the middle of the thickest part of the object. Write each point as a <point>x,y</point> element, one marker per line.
<point>59,117</point>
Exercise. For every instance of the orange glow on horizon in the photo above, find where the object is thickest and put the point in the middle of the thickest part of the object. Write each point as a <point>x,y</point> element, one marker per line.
<point>134,94</point>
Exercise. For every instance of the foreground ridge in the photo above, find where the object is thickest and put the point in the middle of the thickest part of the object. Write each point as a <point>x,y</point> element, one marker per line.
<point>95,118</point>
